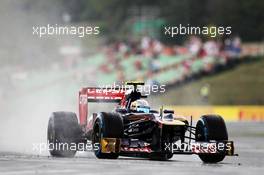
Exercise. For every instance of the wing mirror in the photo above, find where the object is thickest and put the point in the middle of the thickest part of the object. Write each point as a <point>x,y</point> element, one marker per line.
<point>154,111</point>
<point>121,110</point>
<point>166,111</point>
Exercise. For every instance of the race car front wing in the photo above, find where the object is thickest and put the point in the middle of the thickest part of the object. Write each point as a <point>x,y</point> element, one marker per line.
<point>112,145</point>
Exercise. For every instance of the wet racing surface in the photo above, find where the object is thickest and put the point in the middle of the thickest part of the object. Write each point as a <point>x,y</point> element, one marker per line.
<point>249,144</point>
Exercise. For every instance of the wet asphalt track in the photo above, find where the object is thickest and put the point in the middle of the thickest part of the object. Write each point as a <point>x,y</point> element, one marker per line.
<point>249,142</point>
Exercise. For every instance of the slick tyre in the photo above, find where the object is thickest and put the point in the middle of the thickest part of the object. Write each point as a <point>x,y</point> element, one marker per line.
<point>211,127</point>
<point>161,156</point>
<point>63,132</point>
<point>107,125</point>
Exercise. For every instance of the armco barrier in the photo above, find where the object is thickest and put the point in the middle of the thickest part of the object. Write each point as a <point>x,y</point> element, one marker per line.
<point>229,113</point>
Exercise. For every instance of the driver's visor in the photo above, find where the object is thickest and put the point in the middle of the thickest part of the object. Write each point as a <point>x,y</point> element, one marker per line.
<point>144,109</point>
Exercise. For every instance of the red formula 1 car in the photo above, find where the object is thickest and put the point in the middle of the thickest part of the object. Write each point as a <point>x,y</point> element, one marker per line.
<point>134,129</point>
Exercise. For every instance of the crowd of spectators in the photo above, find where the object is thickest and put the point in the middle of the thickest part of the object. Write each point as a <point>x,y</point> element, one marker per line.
<point>219,52</point>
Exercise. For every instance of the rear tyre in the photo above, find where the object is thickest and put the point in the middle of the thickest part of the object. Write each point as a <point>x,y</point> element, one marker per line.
<point>211,127</point>
<point>107,125</point>
<point>63,132</point>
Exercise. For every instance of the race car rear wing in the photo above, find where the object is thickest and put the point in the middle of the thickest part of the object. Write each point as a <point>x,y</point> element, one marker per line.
<point>98,95</point>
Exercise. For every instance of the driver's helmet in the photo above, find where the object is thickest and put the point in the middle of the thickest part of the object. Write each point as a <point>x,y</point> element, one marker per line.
<point>140,106</point>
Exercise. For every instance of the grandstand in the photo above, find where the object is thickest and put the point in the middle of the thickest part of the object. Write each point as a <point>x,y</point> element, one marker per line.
<point>159,66</point>
<point>174,67</point>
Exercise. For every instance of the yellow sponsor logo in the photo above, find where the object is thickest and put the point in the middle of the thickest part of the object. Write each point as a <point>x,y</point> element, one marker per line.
<point>110,145</point>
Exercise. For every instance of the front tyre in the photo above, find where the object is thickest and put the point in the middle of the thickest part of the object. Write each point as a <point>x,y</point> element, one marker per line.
<point>161,156</point>
<point>211,127</point>
<point>107,125</point>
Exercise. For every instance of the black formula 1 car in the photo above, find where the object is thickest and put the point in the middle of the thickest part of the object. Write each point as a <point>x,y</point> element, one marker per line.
<point>134,129</point>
